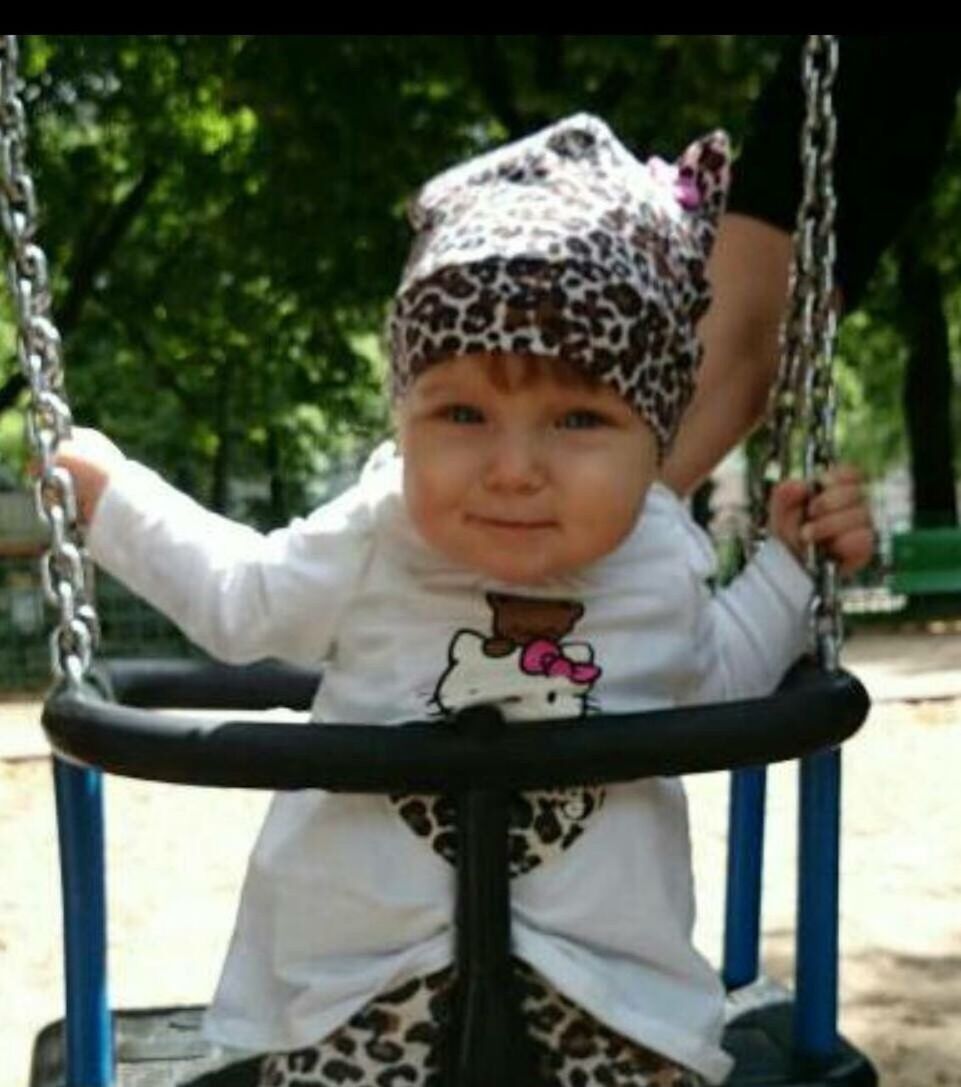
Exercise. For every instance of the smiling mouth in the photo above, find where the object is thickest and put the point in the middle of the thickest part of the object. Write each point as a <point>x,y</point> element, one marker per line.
<point>498,522</point>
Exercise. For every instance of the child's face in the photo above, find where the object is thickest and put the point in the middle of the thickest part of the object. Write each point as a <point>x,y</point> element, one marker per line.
<point>513,469</point>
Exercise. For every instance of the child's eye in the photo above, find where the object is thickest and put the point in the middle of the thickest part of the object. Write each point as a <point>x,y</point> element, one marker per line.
<point>582,419</point>
<point>462,413</point>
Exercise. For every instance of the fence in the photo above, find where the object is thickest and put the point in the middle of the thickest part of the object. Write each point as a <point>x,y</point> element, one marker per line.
<point>130,627</point>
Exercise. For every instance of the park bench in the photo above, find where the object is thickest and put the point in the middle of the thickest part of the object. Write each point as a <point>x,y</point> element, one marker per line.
<point>926,562</point>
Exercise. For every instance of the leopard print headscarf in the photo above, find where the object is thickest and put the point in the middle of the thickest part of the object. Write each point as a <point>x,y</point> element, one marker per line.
<point>564,245</point>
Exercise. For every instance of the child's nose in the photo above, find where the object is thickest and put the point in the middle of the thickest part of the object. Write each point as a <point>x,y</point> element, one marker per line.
<point>516,463</point>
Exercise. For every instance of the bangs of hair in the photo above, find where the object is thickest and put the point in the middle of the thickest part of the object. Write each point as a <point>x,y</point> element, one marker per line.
<point>510,372</point>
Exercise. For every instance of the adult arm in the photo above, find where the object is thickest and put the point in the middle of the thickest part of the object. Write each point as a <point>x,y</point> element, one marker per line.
<point>895,102</point>
<point>749,275</point>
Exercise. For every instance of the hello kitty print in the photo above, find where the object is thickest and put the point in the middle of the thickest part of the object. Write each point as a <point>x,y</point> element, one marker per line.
<point>531,669</point>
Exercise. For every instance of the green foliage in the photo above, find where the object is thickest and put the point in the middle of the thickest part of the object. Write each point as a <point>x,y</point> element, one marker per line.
<point>225,217</point>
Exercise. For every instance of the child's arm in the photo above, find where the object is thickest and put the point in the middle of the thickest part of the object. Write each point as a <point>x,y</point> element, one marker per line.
<point>240,594</point>
<point>757,626</point>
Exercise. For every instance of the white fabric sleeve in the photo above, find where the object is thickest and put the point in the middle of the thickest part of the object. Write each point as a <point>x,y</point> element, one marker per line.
<point>239,594</point>
<point>754,629</point>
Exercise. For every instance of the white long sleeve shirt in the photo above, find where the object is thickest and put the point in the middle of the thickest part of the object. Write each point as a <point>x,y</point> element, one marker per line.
<point>342,900</point>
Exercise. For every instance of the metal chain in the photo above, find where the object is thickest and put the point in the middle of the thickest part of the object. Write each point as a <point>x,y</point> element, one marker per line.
<point>66,572</point>
<point>805,388</point>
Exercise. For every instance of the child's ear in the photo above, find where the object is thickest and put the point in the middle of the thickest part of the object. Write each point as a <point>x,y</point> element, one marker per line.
<point>703,180</point>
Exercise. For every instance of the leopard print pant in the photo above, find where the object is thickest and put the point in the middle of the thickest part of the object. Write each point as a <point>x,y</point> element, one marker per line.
<point>394,1042</point>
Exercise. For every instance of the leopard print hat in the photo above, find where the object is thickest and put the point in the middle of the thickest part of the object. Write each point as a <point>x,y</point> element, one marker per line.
<point>563,244</point>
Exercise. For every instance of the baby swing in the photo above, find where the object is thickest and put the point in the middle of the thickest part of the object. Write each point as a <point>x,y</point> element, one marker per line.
<point>97,721</point>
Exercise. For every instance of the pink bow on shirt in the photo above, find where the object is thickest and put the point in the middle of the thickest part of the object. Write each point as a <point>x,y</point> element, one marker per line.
<point>546,658</point>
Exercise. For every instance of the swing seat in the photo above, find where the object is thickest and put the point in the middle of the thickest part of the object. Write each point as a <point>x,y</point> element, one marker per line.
<point>761,1041</point>
<point>163,1047</point>
<point>478,757</point>
<point>155,1047</point>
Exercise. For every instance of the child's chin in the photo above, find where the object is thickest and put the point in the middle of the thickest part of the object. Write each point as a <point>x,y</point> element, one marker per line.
<point>521,573</point>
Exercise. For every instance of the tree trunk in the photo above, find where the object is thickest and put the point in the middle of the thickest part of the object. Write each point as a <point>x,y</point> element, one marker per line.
<point>279,507</point>
<point>220,485</point>
<point>493,76</point>
<point>928,389</point>
<point>89,260</point>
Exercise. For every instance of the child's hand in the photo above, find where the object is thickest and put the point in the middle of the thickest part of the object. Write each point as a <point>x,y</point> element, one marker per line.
<point>837,518</point>
<point>90,457</point>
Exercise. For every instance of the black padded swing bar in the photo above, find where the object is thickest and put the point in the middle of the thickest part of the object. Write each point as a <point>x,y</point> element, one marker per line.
<point>812,710</point>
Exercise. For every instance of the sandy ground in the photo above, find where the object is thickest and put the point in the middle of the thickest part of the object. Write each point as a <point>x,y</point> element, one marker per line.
<point>176,857</point>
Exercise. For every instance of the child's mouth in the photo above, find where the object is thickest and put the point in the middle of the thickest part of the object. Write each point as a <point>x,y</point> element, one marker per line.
<point>508,524</point>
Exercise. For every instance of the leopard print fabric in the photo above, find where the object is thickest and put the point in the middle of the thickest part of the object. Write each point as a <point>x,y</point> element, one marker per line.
<point>564,245</point>
<point>396,1042</point>
<point>541,824</point>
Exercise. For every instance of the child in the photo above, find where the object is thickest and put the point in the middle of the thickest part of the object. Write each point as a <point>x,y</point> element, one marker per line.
<point>517,550</point>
